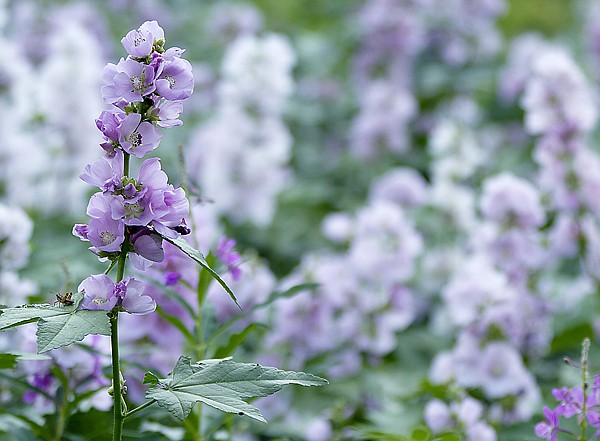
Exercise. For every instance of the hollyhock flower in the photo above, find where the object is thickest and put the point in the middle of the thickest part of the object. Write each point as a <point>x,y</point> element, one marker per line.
<point>129,80</point>
<point>168,113</point>
<point>105,173</point>
<point>481,431</point>
<point>108,123</point>
<point>138,42</point>
<point>148,245</point>
<point>98,293</point>
<point>156,32</point>
<point>548,429</point>
<point>176,82</point>
<point>138,138</point>
<point>105,233</point>
<point>507,199</point>
<point>130,292</point>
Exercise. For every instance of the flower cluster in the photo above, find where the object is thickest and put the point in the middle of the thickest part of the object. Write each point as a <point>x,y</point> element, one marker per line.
<point>572,403</point>
<point>345,323</point>
<point>49,102</point>
<point>240,157</point>
<point>465,414</point>
<point>146,91</point>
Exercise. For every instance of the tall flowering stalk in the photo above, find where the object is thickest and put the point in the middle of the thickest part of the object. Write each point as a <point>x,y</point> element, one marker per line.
<point>129,219</point>
<point>129,216</point>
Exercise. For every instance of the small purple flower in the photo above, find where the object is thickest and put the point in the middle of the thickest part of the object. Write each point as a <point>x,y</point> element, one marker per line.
<point>108,123</point>
<point>128,80</point>
<point>148,245</point>
<point>138,138</point>
<point>571,401</point>
<point>176,82</point>
<point>101,293</point>
<point>132,299</point>
<point>98,293</point>
<point>105,173</point>
<point>171,279</point>
<point>229,257</point>
<point>138,43</point>
<point>548,429</point>
<point>168,113</point>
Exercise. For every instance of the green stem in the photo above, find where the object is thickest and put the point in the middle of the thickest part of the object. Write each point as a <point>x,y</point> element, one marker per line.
<point>114,337</point>
<point>584,376</point>
<point>116,372</point>
<point>126,164</point>
<point>203,284</point>
<point>60,423</point>
<point>139,408</point>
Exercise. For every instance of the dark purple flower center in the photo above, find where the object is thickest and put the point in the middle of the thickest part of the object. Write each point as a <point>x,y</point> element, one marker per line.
<point>139,39</point>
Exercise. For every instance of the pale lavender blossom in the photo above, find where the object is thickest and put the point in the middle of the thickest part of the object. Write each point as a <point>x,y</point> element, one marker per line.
<point>101,293</point>
<point>176,81</point>
<point>437,416</point>
<point>240,157</point>
<point>138,137</point>
<point>507,199</point>
<point>557,95</point>
<point>403,186</point>
<point>98,293</point>
<point>129,80</point>
<point>138,42</point>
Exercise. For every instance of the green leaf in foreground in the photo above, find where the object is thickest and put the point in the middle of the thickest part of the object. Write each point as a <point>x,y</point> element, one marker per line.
<point>9,361</point>
<point>57,325</point>
<point>222,384</point>
<point>199,258</point>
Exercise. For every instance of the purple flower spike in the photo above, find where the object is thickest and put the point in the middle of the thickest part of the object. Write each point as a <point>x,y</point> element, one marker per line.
<point>138,43</point>
<point>176,81</point>
<point>98,293</point>
<point>548,429</point>
<point>138,138</point>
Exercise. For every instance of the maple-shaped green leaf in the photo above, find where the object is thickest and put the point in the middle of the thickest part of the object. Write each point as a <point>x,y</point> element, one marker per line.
<point>222,384</point>
<point>198,257</point>
<point>57,325</point>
